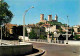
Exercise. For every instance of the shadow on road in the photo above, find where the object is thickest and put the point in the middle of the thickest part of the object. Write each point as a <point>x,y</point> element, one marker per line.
<point>33,52</point>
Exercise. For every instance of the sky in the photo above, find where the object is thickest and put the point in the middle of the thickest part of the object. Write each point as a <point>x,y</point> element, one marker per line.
<point>62,8</point>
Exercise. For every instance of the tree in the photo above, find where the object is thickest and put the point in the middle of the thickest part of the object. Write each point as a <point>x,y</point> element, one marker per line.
<point>15,32</point>
<point>71,37</point>
<point>51,34</point>
<point>77,37</point>
<point>20,30</point>
<point>60,30</point>
<point>61,37</point>
<point>5,14</point>
<point>72,30</point>
<point>45,19</point>
<point>41,23</point>
<point>42,37</point>
<point>32,35</point>
<point>26,33</point>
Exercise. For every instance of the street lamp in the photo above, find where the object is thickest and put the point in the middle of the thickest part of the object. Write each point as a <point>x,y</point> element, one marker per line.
<point>24,22</point>
<point>66,30</point>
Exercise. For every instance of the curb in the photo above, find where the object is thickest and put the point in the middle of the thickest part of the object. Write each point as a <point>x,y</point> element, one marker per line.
<point>47,43</point>
<point>39,53</point>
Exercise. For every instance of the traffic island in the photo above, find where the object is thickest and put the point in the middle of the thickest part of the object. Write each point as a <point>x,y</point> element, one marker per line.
<point>15,50</point>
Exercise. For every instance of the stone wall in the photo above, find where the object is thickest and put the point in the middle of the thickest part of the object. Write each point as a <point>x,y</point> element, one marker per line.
<point>14,50</point>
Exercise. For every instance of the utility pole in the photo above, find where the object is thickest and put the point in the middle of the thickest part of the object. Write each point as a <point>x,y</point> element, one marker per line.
<point>67,31</point>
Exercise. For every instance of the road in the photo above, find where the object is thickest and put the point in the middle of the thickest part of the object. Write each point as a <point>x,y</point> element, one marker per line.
<point>58,50</point>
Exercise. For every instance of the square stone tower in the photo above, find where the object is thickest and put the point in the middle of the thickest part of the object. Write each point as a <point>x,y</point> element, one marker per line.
<point>56,17</point>
<point>41,17</point>
<point>49,17</point>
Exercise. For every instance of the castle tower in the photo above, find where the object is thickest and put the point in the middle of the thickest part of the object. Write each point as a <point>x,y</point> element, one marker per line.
<point>41,17</point>
<point>49,17</point>
<point>56,17</point>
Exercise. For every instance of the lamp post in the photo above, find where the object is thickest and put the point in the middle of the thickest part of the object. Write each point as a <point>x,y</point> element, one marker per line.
<point>67,30</point>
<point>24,23</point>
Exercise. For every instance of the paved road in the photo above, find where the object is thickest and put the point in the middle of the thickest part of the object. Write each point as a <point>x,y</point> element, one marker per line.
<point>58,50</point>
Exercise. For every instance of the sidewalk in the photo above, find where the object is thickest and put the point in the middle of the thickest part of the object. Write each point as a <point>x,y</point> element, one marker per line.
<point>56,43</point>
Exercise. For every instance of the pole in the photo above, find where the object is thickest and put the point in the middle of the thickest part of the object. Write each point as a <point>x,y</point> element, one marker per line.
<point>1,35</point>
<point>24,28</point>
<point>24,24</point>
<point>1,26</point>
<point>67,32</point>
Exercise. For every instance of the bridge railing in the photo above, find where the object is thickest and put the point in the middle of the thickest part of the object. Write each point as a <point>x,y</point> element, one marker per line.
<point>38,40</point>
<point>73,42</point>
<point>52,41</point>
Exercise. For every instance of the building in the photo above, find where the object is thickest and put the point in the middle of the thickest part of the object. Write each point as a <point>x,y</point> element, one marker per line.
<point>42,18</point>
<point>50,28</point>
<point>31,27</point>
<point>56,19</point>
<point>64,29</point>
<point>76,28</point>
<point>49,18</point>
<point>8,27</point>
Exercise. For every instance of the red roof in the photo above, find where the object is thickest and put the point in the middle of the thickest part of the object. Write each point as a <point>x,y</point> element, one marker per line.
<point>46,25</point>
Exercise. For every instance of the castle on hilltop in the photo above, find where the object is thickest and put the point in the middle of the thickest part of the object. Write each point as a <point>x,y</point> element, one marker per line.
<point>49,18</point>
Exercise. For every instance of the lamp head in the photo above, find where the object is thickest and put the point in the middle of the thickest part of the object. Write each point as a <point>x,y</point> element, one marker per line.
<point>32,7</point>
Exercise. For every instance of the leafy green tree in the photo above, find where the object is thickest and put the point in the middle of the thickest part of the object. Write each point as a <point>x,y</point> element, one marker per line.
<point>20,30</point>
<point>57,23</point>
<point>60,30</point>
<point>52,35</point>
<point>42,37</point>
<point>41,23</point>
<point>45,19</point>
<point>15,32</point>
<point>77,37</point>
<point>61,37</point>
<point>72,30</point>
<point>71,37</point>
<point>26,33</point>
<point>32,35</point>
<point>5,14</point>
